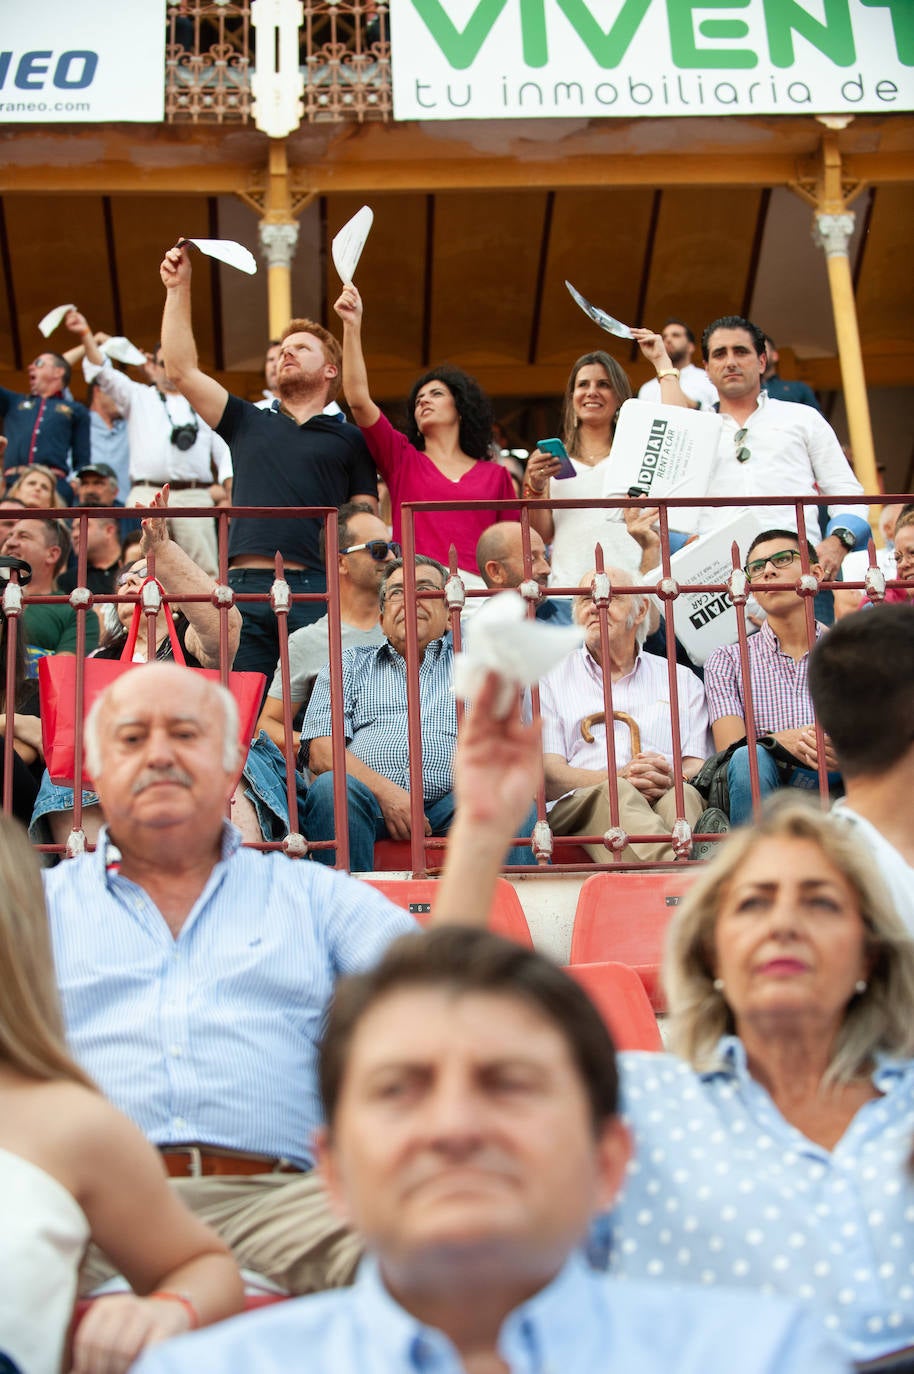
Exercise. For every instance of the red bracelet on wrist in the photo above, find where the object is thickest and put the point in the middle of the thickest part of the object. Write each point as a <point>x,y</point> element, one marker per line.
<point>165,1295</point>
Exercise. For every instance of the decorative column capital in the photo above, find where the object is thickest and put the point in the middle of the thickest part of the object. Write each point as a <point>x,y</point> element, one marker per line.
<point>833,232</point>
<point>278,242</point>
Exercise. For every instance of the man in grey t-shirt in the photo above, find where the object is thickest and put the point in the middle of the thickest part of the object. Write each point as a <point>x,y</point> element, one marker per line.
<point>364,553</point>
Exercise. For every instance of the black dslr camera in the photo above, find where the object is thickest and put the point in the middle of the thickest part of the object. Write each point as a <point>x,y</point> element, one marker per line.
<point>184,436</point>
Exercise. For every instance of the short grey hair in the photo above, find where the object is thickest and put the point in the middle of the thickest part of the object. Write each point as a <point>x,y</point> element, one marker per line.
<point>230,729</point>
<point>878,1019</point>
<point>422,561</point>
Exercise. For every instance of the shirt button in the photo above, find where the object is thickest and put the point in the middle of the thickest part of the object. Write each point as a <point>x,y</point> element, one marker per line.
<point>179,1124</point>
<point>175,1051</point>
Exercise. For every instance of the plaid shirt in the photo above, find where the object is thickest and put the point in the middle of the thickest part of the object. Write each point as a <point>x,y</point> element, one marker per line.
<point>780,694</point>
<point>374,712</point>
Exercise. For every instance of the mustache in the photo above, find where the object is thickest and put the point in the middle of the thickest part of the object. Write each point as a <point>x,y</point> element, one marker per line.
<point>150,776</point>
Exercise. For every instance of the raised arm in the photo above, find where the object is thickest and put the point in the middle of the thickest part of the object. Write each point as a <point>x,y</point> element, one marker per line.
<point>77,324</point>
<point>654,349</point>
<point>355,373</point>
<point>178,572</point>
<point>179,350</point>
<point>497,767</point>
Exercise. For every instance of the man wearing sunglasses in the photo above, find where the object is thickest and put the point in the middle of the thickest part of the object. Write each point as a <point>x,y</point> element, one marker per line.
<point>364,555</point>
<point>778,669</point>
<point>772,448</point>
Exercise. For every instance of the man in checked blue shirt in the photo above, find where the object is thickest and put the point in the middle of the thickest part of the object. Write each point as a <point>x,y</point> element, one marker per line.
<point>375,717</point>
<point>469,1089</point>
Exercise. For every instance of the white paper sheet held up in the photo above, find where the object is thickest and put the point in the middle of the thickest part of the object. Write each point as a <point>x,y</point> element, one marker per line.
<point>227,251</point>
<point>53,319</point>
<point>600,317</point>
<point>123,351</point>
<point>347,245</point>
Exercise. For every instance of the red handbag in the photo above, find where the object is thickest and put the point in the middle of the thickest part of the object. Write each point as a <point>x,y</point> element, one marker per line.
<point>57,695</point>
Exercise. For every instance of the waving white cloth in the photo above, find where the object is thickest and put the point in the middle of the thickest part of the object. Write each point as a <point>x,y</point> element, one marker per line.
<point>500,639</point>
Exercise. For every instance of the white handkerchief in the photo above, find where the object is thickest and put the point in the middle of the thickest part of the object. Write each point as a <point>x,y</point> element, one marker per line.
<point>123,351</point>
<point>53,319</point>
<point>502,640</point>
<point>600,317</point>
<point>348,243</point>
<point>227,251</point>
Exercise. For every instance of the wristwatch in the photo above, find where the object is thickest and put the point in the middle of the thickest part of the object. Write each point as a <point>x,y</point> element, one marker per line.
<point>848,539</point>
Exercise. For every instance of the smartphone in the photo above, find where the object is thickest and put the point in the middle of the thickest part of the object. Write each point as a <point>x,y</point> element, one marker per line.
<point>556,449</point>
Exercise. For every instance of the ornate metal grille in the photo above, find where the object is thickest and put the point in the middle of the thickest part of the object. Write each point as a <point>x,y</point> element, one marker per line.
<point>344,59</point>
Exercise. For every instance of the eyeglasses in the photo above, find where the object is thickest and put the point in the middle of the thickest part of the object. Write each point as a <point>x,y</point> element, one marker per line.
<point>377,548</point>
<point>742,453</point>
<point>756,566</point>
<point>398,591</point>
<point>132,575</point>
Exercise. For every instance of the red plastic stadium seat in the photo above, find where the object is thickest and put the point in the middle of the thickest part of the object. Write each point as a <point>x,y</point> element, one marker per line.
<point>617,993</point>
<point>397,856</point>
<point>624,916</point>
<point>416,895</point>
<point>567,852</point>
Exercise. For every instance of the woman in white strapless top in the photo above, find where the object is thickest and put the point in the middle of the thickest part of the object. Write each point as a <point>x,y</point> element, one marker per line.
<point>72,1168</point>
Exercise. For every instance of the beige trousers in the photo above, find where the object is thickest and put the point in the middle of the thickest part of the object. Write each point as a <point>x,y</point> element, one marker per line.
<point>279,1225</point>
<point>196,537</point>
<point>586,812</point>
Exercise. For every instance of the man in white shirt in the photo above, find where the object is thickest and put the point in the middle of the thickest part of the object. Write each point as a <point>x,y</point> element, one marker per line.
<point>169,442</point>
<point>694,381</point>
<point>769,448</point>
<point>576,768</point>
<point>861,675</point>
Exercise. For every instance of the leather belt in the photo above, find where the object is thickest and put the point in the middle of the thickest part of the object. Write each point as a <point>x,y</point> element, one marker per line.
<point>201,1161</point>
<point>182,486</point>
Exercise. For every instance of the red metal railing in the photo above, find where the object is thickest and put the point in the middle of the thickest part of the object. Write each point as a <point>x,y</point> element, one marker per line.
<point>423,851</point>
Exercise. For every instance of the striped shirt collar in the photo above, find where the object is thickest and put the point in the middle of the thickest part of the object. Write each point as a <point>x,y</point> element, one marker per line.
<point>107,856</point>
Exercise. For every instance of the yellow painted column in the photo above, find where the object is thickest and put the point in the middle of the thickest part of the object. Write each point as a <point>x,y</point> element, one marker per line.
<point>278,232</point>
<point>833,232</point>
<point>278,240</point>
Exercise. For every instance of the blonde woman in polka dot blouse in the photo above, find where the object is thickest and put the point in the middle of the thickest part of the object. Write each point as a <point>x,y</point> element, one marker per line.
<point>773,1152</point>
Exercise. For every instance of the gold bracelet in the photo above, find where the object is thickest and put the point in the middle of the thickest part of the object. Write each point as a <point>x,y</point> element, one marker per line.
<point>668,372</point>
<point>530,490</point>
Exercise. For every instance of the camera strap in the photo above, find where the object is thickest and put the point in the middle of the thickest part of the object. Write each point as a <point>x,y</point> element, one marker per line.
<point>171,419</point>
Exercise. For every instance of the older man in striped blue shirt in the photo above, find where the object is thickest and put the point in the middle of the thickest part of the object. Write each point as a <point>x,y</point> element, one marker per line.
<point>375,718</point>
<point>195,974</point>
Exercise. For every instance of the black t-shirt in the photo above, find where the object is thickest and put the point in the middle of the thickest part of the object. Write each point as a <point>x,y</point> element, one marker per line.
<point>277,462</point>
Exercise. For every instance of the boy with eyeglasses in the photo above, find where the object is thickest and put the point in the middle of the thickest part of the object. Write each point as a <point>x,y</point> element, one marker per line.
<point>778,668</point>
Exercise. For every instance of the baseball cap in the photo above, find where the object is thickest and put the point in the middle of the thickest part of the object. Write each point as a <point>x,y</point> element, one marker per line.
<point>96,470</point>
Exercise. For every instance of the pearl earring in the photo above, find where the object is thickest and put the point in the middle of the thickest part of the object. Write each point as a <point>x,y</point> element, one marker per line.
<point>860,985</point>
<point>718,984</point>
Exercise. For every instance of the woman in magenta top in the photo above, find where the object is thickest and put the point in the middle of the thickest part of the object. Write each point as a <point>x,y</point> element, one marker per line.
<point>444,456</point>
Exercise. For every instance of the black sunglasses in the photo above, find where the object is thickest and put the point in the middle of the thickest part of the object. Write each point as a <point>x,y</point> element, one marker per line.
<point>377,548</point>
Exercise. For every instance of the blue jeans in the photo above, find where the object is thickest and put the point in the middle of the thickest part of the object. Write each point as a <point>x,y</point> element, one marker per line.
<point>366,823</point>
<point>769,780</point>
<point>258,651</point>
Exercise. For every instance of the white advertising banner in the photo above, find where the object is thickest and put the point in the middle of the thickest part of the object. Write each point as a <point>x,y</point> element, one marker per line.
<point>82,61</point>
<point>706,619</point>
<point>511,59</point>
<point>664,451</point>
